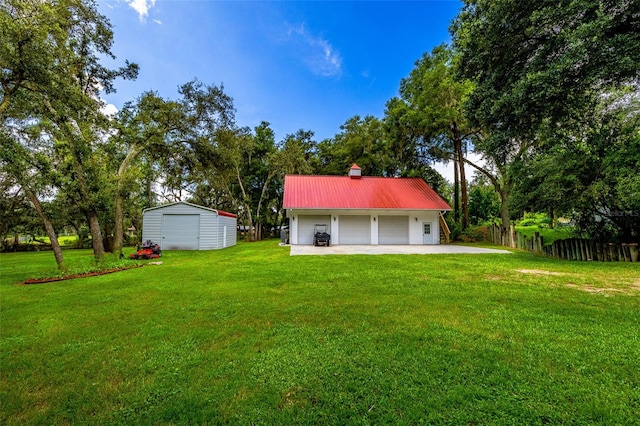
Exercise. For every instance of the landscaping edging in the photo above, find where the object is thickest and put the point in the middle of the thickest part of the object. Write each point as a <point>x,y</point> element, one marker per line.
<point>80,275</point>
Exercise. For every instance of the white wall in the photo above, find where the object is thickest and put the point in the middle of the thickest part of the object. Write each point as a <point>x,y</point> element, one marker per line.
<point>415,226</point>
<point>230,224</point>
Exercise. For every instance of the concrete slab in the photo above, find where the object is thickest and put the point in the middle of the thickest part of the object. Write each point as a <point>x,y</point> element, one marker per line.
<point>403,249</point>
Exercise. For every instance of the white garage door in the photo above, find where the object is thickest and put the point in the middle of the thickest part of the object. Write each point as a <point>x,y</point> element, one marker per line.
<point>180,231</point>
<point>355,229</point>
<point>393,229</point>
<point>306,225</point>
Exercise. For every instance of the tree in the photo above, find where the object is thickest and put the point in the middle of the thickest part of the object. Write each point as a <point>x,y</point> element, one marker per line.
<point>484,204</point>
<point>31,171</point>
<point>149,125</point>
<point>592,175</point>
<point>193,157</point>
<point>12,200</point>
<point>539,63</point>
<point>361,141</point>
<point>431,115</point>
<point>51,73</point>
<point>262,168</point>
<point>539,68</point>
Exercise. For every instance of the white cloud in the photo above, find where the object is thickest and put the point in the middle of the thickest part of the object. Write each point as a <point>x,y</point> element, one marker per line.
<point>157,21</point>
<point>109,110</point>
<point>319,55</point>
<point>142,7</point>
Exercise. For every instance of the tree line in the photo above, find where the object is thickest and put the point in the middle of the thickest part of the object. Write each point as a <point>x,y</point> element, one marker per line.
<point>547,94</point>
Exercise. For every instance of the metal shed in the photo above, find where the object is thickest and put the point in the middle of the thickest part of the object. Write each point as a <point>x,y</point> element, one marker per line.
<point>186,226</point>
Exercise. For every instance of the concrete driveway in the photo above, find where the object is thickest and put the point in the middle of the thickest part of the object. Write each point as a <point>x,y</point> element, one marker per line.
<point>404,249</point>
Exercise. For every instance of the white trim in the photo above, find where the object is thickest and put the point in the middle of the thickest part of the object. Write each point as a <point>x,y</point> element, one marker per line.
<point>186,204</point>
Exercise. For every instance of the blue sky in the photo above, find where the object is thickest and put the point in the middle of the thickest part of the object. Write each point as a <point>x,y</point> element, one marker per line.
<point>297,64</point>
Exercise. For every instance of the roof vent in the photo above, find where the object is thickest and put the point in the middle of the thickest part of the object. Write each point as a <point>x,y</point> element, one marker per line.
<point>355,172</point>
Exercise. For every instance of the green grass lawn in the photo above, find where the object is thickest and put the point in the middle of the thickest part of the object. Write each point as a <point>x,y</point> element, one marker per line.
<point>250,335</point>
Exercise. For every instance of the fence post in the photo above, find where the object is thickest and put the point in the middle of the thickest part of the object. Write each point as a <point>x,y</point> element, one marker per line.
<point>633,252</point>
<point>581,255</point>
<point>579,247</point>
<point>625,252</point>
<point>534,243</point>
<point>571,249</point>
<point>583,246</point>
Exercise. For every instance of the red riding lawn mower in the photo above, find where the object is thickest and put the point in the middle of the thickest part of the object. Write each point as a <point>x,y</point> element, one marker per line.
<point>149,250</point>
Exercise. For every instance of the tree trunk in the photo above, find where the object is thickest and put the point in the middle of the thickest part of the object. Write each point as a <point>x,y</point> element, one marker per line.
<point>107,239</point>
<point>48,226</point>
<point>74,133</point>
<point>457,142</point>
<point>262,193</point>
<point>456,191</point>
<point>505,216</point>
<point>249,234</point>
<point>118,231</point>
<point>96,236</point>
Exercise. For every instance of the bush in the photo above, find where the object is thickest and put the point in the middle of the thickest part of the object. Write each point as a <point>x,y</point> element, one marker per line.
<point>456,231</point>
<point>471,235</point>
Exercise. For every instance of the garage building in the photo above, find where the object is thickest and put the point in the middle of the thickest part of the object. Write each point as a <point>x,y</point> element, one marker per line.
<point>364,210</point>
<point>186,226</point>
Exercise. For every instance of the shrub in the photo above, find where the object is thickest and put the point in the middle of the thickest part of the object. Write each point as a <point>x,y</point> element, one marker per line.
<point>471,235</point>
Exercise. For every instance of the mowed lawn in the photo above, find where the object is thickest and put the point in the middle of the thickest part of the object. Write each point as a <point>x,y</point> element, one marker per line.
<point>250,335</point>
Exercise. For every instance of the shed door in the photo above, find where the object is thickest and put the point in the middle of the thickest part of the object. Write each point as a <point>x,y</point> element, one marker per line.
<point>355,229</point>
<point>180,231</point>
<point>427,238</point>
<point>306,224</point>
<point>393,229</point>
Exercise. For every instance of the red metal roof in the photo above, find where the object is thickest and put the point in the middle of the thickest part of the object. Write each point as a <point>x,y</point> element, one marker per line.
<point>223,213</point>
<point>368,192</point>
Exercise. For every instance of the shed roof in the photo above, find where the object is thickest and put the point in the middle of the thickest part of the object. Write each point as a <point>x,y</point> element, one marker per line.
<point>368,192</point>
<point>218,212</point>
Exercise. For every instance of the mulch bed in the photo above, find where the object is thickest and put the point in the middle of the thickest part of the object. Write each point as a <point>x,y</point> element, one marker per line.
<point>82,275</point>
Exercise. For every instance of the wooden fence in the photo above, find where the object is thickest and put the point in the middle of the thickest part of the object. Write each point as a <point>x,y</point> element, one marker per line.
<point>570,249</point>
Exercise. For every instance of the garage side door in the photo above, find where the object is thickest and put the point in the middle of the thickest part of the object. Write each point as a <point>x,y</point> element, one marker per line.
<point>180,232</point>
<point>306,224</point>
<point>393,229</point>
<point>355,229</point>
